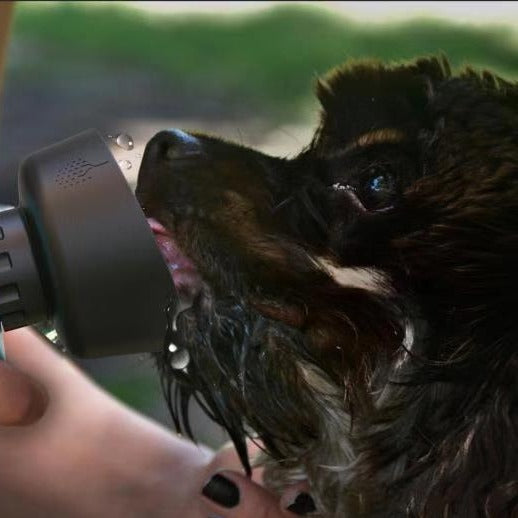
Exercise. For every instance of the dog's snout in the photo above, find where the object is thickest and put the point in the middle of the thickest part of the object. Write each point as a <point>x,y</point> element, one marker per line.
<point>185,140</point>
<point>173,144</point>
<point>181,144</point>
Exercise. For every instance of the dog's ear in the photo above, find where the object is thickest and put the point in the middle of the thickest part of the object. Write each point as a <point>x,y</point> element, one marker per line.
<point>364,96</point>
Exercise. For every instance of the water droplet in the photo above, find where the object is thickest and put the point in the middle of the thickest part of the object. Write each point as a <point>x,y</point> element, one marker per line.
<point>172,348</point>
<point>180,359</point>
<point>124,164</point>
<point>124,141</point>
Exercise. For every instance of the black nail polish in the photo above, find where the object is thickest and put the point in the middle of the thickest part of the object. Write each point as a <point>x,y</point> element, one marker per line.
<point>303,504</point>
<point>222,491</point>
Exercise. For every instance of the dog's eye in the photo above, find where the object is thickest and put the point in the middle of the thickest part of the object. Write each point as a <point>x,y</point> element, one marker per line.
<point>379,184</point>
<point>377,188</point>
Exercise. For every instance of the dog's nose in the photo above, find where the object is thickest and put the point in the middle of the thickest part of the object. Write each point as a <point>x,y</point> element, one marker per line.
<point>167,151</point>
<point>174,144</point>
<point>183,144</point>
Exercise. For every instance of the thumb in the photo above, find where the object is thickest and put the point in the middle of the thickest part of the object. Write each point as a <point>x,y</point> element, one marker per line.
<point>231,495</point>
<point>22,400</point>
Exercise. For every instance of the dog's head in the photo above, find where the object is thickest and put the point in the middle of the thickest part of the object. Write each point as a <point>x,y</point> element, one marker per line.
<point>382,256</point>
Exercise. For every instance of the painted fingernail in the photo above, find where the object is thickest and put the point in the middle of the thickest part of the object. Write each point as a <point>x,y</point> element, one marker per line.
<point>221,490</point>
<point>303,504</point>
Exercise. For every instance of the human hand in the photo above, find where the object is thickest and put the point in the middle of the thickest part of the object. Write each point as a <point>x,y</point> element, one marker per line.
<point>87,455</point>
<point>83,454</point>
<point>22,400</point>
<point>232,495</point>
<point>246,497</point>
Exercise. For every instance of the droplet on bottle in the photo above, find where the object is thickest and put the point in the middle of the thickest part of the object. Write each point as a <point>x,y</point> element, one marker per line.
<point>180,359</point>
<point>124,164</point>
<point>124,141</point>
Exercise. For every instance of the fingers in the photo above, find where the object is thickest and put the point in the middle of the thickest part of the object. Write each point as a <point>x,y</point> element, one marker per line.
<point>227,459</point>
<point>297,499</point>
<point>22,400</point>
<point>31,353</point>
<point>232,495</point>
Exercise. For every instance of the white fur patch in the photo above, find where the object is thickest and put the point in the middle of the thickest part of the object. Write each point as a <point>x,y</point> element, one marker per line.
<point>368,279</point>
<point>408,340</point>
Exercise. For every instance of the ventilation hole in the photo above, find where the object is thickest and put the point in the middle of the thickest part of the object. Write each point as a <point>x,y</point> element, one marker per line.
<point>9,293</point>
<point>5,262</point>
<point>14,320</point>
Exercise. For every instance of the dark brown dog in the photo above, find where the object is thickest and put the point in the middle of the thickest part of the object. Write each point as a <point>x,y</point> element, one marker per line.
<point>355,307</point>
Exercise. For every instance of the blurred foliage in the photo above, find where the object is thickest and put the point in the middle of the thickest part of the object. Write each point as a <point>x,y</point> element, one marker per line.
<point>138,392</point>
<point>269,58</point>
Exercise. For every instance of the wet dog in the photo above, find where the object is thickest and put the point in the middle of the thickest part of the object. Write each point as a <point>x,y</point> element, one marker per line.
<point>355,307</point>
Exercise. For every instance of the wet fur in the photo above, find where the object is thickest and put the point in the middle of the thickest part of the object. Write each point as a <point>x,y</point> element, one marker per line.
<point>400,400</point>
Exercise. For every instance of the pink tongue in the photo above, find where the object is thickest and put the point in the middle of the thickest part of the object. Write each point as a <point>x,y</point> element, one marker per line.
<point>186,278</point>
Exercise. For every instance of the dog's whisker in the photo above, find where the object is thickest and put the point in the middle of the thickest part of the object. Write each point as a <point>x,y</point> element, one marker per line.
<point>282,204</point>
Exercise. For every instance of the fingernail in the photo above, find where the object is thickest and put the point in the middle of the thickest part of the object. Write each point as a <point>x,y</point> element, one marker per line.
<point>303,504</point>
<point>221,490</point>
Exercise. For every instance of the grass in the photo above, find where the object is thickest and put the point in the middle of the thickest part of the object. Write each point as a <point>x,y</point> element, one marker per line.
<point>268,58</point>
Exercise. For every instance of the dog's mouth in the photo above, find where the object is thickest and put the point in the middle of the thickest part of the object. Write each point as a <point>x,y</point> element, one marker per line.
<point>186,278</point>
<point>189,282</point>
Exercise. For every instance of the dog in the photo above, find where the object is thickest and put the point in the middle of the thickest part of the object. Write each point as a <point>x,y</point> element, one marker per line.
<point>354,307</point>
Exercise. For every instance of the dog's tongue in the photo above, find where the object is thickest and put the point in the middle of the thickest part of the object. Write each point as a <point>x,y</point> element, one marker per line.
<point>186,278</point>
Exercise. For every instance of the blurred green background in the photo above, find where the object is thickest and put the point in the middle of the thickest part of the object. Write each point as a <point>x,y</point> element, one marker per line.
<point>244,74</point>
<point>263,61</point>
